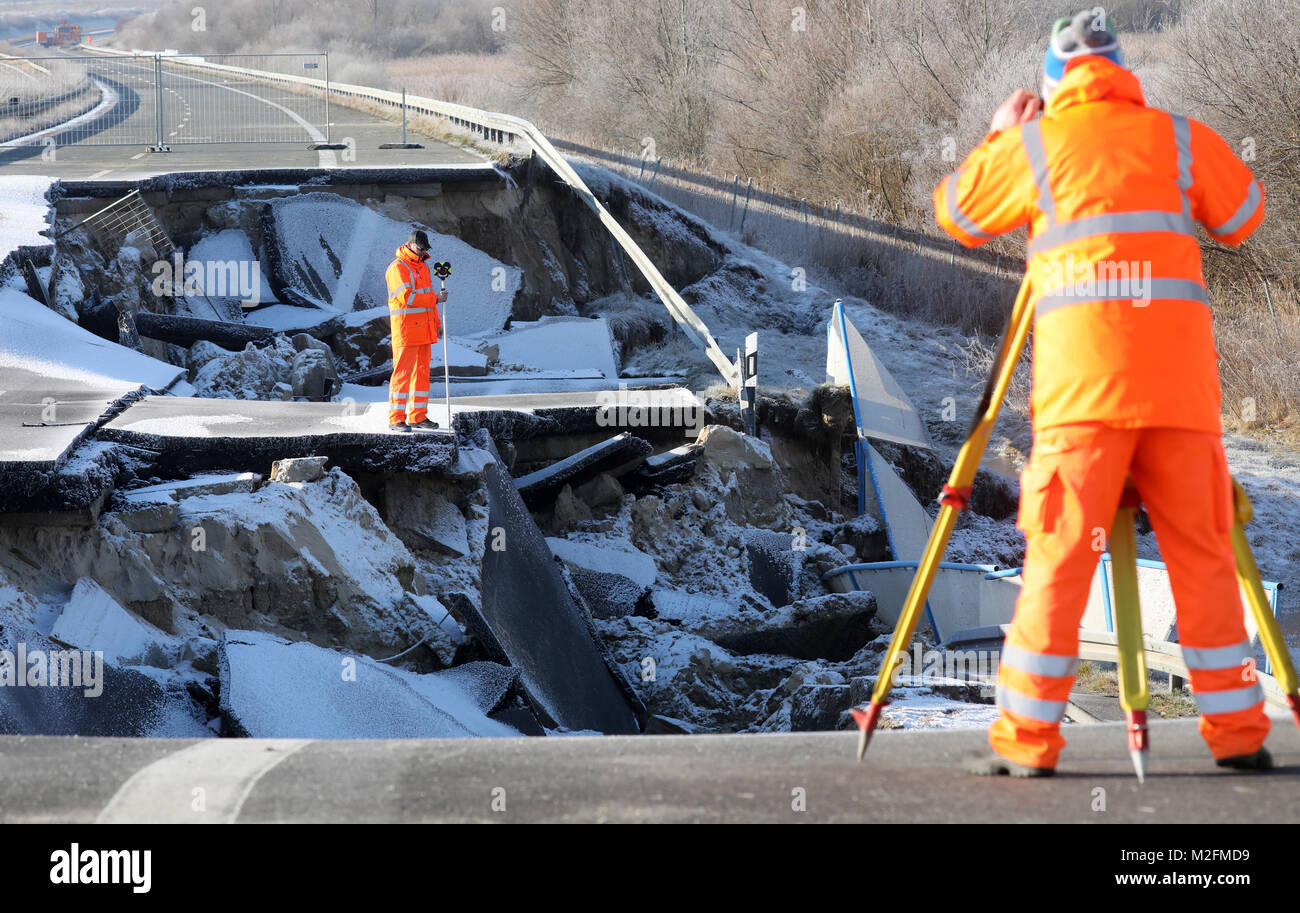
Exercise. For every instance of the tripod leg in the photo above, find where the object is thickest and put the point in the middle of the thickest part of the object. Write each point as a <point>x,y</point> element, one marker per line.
<point>953,500</point>
<point>1270,634</point>
<point>1135,695</point>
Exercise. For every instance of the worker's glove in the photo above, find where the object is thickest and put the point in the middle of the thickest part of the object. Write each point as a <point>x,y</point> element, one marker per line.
<point>442,296</point>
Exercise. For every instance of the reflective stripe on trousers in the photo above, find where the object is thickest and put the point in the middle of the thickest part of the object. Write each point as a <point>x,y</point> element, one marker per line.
<point>1233,664</point>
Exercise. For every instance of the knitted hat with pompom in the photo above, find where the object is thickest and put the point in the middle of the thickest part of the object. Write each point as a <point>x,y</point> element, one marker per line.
<point>1088,33</point>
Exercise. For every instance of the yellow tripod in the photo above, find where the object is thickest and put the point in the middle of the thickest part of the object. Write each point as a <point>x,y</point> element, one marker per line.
<point>1128,623</point>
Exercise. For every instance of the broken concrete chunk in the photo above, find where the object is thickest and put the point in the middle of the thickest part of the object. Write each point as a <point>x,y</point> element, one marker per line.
<point>829,627</point>
<point>602,491</point>
<point>568,513</point>
<point>425,518</point>
<point>739,471</point>
<point>818,708</point>
<point>622,559</point>
<point>92,620</point>
<point>312,375</point>
<point>299,469</point>
<point>215,483</point>
<point>726,448</point>
<point>149,516</point>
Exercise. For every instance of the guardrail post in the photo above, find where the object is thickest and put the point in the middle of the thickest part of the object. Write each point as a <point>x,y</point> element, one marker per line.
<point>748,381</point>
<point>328,125</point>
<point>159,145</point>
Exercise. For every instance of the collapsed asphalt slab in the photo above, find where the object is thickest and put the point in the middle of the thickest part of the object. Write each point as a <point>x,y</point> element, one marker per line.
<point>622,451</point>
<point>272,688</point>
<point>663,414</point>
<point>46,689</point>
<point>530,619</point>
<point>193,433</point>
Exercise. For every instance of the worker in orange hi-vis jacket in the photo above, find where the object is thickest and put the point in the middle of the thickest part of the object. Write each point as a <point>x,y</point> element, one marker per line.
<point>413,313</point>
<point>1125,379</point>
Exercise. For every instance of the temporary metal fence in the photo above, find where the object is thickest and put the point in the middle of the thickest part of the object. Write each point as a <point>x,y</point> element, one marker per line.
<point>162,99</point>
<point>123,218</point>
<point>212,99</point>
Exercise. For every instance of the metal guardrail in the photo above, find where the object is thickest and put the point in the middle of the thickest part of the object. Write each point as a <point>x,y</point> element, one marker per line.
<point>494,128</point>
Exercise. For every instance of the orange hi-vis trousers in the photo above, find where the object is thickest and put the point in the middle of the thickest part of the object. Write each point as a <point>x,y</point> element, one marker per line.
<point>408,390</point>
<point>1069,493</point>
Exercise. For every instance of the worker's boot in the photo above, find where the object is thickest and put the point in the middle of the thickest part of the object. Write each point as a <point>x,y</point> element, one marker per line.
<point>399,426</point>
<point>424,425</point>
<point>1259,760</point>
<point>994,765</point>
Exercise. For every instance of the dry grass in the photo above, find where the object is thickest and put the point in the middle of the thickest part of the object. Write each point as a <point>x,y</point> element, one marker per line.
<point>1103,678</point>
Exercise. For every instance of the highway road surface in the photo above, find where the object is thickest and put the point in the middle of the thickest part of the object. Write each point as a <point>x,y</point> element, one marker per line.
<point>808,777</point>
<point>199,107</point>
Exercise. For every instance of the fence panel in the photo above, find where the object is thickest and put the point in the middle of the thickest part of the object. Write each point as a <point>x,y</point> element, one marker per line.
<point>162,99</point>
<point>208,100</point>
<point>98,101</point>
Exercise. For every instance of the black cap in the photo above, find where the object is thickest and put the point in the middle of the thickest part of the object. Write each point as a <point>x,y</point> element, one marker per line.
<point>418,241</point>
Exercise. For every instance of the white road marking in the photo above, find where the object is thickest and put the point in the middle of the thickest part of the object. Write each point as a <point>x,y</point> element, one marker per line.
<point>99,174</point>
<point>138,155</point>
<point>226,770</point>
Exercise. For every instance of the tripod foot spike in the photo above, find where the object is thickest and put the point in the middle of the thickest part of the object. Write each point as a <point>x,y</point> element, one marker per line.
<point>866,720</point>
<point>1139,740</point>
<point>1139,764</point>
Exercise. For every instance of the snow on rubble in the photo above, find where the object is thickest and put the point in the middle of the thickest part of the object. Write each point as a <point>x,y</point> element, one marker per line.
<point>26,211</point>
<point>273,688</point>
<point>39,341</point>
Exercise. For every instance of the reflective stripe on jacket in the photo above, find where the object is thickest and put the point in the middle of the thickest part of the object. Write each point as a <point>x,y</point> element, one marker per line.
<point>1111,191</point>
<point>412,300</point>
